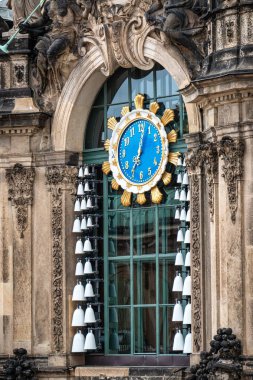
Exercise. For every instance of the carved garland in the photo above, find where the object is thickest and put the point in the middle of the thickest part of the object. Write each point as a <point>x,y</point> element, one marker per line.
<point>58,177</point>
<point>231,152</point>
<point>20,193</point>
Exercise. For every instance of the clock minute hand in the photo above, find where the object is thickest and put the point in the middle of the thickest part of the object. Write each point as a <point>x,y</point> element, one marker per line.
<point>138,153</point>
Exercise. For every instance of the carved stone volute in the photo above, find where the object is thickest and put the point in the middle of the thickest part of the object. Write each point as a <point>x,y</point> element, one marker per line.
<point>20,193</point>
<point>231,152</point>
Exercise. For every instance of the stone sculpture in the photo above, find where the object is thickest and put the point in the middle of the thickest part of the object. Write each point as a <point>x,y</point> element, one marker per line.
<point>5,16</point>
<point>180,21</point>
<point>22,9</point>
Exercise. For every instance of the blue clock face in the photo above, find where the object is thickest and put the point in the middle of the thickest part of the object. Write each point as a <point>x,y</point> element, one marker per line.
<point>140,151</point>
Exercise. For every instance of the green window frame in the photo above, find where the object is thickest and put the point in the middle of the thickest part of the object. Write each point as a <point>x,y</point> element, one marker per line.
<point>139,246</point>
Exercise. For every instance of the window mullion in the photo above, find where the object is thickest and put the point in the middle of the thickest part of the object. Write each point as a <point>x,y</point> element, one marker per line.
<point>157,280</point>
<point>106,263</point>
<point>131,283</point>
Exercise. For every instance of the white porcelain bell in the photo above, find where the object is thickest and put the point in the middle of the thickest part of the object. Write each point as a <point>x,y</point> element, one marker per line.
<point>77,226</point>
<point>84,224</point>
<point>90,223</point>
<point>187,262</point>
<point>183,195</point>
<point>179,178</point>
<point>179,261</point>
<point>86,187</point>
<point>78,292</point>
<point>185,179</point>
<point>80,172</point>
<point>88,293</point>
<point>89,316</point>
<point>88,267</point>
<point>89,203</point>
<point>87,246</point>
<point>78,317</point>
<point>78,342</point>
<point>179,161</point>
<point>187,314</point>
<point>184,162</point>
<point>187,286</point>
<point>90,343</point>
<point>111,248</point>
<point>177,214</point>
<point>79,247</point>
<point>178,344</point>
<point>80,189</point>
<point>177,315</point>
<point>79,268</point>
<point>177,196</point>
<point>180,236</point>
<point>77,206</point>
<point>113,315</point>
<point>112,270</point>
<point>86,171</point>
<point>188,344</point>
<point>178,283</point>
<point>188,215</point>
<point>188,198</point>
<point>183,215</point>
<point>187,238</point>
<point>83,204</point>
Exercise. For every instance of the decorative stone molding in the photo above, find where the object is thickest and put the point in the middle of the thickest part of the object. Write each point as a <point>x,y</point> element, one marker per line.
<point>20,193</point>
<point>58,178</point>
<point>206,157</point>
<point>196,263</point>
<point>231,152</point>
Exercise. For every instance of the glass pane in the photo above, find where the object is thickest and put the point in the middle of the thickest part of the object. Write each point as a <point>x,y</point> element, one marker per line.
<point>167,329</point>
<point>119,283</point>
<point>144,231</point>
<point>119,331</point>
<point>166,85</point>
<point>95,129</point>
<point>166,278</point>
<point>119,233</point>
<point>142,83</point>
<point>145,330</point>
<point>144,283</point>
<point>168,228</point>
<point>117,87</point>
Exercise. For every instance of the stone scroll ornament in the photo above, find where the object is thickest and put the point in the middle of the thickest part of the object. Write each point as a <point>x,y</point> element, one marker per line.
<point>20,192</point>
<point>231,152</point>
<point>139,155</point>
<point>58,178</point>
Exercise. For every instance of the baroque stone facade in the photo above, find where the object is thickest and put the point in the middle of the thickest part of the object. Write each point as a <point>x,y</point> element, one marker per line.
<point>207,47</point>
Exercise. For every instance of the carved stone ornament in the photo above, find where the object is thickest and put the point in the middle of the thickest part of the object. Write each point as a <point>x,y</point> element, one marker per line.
<point>206,157</point>
<point>58,178</point>
<point>20,193</point>
<point>231,152</point>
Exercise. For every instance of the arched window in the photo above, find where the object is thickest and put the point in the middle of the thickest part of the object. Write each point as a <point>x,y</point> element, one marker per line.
<point>139,242</point>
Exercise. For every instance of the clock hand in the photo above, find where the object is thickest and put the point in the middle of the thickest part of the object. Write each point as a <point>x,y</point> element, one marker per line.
<point>137,158</point>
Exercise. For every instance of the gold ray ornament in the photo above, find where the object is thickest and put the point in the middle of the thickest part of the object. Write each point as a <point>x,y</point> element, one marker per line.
<point>154,107</point>
<point>141,199</point>
<point>167,117</point>
<point>126,198</point>
<point>166,178</point>
<point>172,158</point>
<point>138,101</point>
<point>106,168</point>
<point>125,110</point>
<point>115,185</point>
<point>172,136</point>
<point>107,145</point>
<point>111,123</point>
<point>156,195</point>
